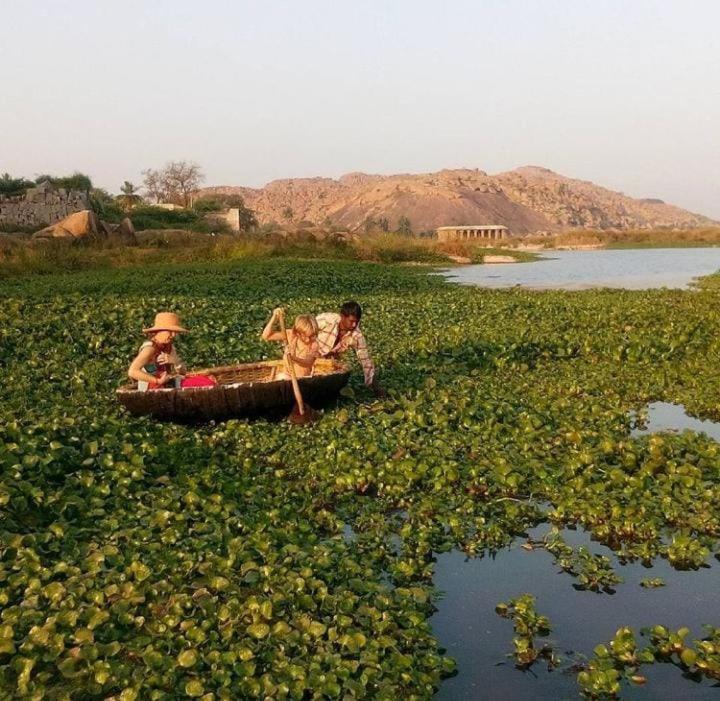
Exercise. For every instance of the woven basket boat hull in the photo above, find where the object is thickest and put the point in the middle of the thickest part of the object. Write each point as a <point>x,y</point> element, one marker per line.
<point>242,391</point>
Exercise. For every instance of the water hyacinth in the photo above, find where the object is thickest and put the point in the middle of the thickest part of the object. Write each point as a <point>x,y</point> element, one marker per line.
<point>149,560</point>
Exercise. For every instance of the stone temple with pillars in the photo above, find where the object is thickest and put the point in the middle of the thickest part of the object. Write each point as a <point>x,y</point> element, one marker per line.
<point>463,233</point>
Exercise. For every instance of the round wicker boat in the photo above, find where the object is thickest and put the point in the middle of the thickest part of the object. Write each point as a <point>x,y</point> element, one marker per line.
<point>241,390</point>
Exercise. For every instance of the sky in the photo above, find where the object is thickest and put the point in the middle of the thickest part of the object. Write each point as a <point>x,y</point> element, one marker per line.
<point>626,94</point>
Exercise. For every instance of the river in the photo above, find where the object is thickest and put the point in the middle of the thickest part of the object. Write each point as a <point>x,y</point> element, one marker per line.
<point>466,623</point>
<point>633,269</point>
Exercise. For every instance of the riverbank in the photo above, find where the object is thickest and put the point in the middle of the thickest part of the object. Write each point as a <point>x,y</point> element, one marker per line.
<point>585,239</point>
<point>21,256</point>
<point>611,268</point>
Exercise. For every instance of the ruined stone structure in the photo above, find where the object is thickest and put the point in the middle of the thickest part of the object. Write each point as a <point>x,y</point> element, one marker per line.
<point>232,218</point>
<point>41,205</point>
<point>227,217</point>
<point>457,233</point>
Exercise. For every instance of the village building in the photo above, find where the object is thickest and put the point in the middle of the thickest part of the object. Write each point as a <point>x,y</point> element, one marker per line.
<point>457,233</point>
<point>170,206</point>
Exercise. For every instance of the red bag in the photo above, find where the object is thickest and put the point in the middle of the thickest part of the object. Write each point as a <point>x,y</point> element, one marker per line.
<point>198,381</point>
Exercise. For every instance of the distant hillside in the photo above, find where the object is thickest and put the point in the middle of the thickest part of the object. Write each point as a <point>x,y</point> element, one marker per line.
<point>525,200</point>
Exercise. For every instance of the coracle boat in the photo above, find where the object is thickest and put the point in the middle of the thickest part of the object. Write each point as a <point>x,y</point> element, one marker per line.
<point>241,391</point>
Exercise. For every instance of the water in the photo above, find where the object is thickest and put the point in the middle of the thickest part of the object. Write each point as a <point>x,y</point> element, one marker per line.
<point>574,270</point>
<point>468,627</point>
<point>672,417</point>
<point>479,640</point>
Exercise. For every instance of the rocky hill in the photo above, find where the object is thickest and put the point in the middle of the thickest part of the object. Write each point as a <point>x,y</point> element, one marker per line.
<point>527,199</point>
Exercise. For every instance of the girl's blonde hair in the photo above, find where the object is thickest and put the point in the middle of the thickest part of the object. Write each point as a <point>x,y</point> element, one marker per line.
<point>306,325</point>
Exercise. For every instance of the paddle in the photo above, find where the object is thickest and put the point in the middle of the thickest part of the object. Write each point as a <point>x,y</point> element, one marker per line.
<point>304,414</point>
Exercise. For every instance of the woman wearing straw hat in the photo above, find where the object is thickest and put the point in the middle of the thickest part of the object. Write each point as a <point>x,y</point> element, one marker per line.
<point>157,363</point>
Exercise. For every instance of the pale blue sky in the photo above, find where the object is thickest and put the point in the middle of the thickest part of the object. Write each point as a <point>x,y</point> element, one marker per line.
<point>626,94</point>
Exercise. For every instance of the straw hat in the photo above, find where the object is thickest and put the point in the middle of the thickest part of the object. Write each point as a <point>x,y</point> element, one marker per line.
<point>166,321</point>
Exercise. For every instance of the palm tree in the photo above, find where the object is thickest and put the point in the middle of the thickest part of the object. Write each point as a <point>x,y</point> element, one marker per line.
<point>129,197</point>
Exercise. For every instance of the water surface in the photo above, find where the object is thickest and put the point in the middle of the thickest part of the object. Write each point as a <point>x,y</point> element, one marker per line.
<point>663,416</point>
<point>634,269</point>
<point>468,627</point>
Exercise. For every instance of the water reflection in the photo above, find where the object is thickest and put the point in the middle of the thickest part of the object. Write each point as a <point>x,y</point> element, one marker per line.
<point>574,270</point>
<point>467,625</point>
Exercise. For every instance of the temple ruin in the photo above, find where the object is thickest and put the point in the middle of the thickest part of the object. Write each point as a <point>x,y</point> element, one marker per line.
<point>457,233</point>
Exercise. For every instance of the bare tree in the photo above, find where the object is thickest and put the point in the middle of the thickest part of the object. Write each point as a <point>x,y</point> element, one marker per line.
<point>181,179</point>
<point>404,227</point>
<point>154,187</point>
<point>174,183</point>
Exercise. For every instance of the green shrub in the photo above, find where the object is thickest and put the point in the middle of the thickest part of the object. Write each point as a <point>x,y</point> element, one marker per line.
<point>76,181</point>
<point>106,207</point>
<point>13,186</point>
<point>207,204</point>
<point>150,217</point>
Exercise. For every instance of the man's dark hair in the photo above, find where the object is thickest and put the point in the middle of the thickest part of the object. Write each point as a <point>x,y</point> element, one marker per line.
<point>351,309</point>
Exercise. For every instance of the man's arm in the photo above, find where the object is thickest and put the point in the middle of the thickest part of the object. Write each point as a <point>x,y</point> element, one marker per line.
<point>363,355</point>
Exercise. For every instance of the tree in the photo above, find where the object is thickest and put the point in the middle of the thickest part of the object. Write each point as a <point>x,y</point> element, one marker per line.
<point>128,189</point>
<point>369,225</point>
<point>76,181</point>
<point>404,227</point>
<point>153,182</point>
<point>174,183</point>
<point>288,213</point>
<point>106,206</point>
<point>13,186</point>
<point>383,224</point>
<point>181,179</point>
<point>129,197</point>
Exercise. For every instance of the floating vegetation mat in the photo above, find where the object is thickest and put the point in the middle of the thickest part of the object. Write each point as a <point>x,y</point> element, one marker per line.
<point>252,559</point>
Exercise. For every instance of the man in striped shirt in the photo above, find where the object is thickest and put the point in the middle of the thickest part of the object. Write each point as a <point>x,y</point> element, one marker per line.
<point>340,332</point>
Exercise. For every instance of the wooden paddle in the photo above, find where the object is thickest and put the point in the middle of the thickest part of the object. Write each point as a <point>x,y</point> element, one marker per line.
<point>303,417</point>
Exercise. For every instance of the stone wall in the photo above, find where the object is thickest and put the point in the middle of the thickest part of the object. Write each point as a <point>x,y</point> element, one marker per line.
<point>40,206</point>
<point>229,217</point>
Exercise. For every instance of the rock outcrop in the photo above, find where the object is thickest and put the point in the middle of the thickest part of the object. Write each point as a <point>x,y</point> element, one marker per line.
<point>525,200</point>
<point>86,223</point>
<point>124,232</point>
<point>76,226</point>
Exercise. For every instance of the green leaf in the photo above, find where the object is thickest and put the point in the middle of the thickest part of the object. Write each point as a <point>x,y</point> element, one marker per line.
<point>194,688</point>
<point>258,630</point>
<point>187,658</point>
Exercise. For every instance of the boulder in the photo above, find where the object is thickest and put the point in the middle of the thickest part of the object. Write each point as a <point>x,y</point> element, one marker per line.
<point>344,236</point>
<point>125,233</point>
<point>76,226</point>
